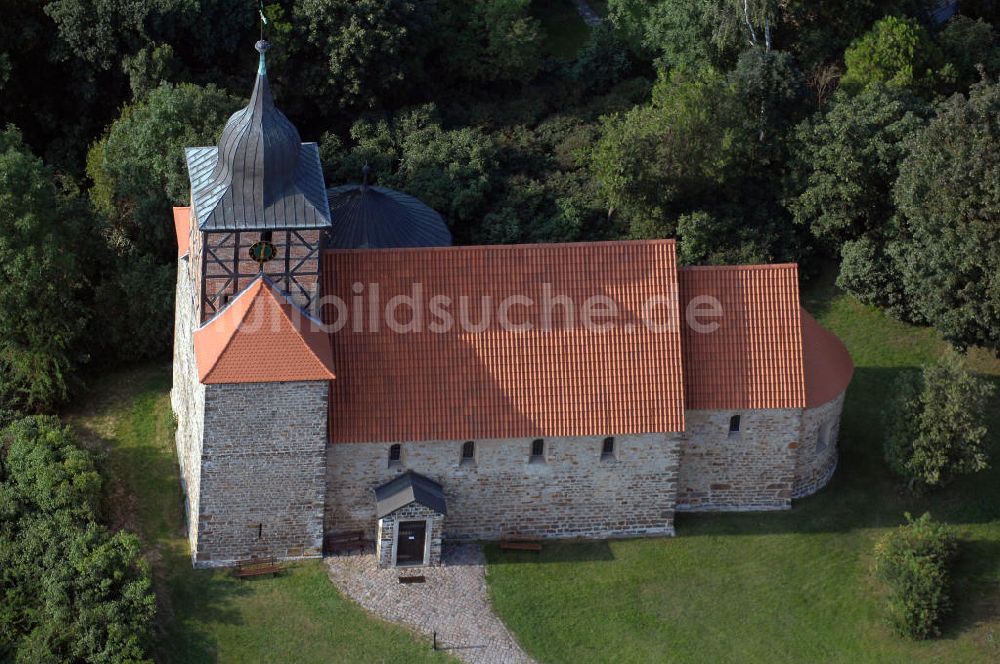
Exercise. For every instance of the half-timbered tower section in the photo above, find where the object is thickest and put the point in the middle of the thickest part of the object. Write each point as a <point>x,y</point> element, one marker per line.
<point>259,206</point>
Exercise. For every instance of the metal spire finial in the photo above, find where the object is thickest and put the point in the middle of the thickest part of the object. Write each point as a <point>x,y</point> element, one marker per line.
<point>262,46</point>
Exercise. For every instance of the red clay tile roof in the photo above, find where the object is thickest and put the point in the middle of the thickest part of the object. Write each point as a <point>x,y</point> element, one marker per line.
<point>456,385</point>
<point>261,337</point>
<point>182,227</point>
<point>828,365</point>
<point>754,358</point>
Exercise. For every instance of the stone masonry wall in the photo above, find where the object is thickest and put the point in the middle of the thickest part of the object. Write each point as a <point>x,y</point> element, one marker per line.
<point>263,472</point>
<point>751,470</point>
<point>187,396</point>
<point>816,458</point>
<point>573,494</point>
<point>411,512</point>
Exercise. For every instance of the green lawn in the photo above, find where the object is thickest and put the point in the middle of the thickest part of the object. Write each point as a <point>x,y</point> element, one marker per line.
<point>207,616</point>
<point>780,587</point>
<point>565,32</point>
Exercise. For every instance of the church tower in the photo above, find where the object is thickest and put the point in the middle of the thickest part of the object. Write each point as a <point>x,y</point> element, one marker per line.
<point>259,202</point>
<point>252,365</point>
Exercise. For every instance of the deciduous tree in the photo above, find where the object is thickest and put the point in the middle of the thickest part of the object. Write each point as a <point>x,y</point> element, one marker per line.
<point>897,51</point>
<point>656,158</point>
<point>948,191</point>
<point>936,423</point>
<point>138,169</point>
<point>42,238</point>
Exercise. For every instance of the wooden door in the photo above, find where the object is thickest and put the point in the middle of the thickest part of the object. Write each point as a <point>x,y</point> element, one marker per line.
<point>410,542</point>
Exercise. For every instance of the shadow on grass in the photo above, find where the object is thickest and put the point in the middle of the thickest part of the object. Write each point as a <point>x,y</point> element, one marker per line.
<point>975,591</point>
<point>819,289</point>
<point>194,600</point>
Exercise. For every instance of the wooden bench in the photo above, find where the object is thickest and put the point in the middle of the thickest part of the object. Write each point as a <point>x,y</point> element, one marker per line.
<point>521,544</point>
<point>257,567</point>
<point>338,543</point>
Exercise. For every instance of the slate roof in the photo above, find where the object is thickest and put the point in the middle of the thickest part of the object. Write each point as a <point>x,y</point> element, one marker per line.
<point>261,176</point>
<point>262,337</point>
<point>379,217</point>
<point>754,358</point>
<point>410,487</point>
<point>460,385</point>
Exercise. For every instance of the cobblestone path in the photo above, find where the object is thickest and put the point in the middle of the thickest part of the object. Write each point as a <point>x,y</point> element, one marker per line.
<point>453,602</point>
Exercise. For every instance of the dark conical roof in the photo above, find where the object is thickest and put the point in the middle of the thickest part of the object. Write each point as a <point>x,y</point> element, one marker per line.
<point>262,176</point>
<point>377,217</point>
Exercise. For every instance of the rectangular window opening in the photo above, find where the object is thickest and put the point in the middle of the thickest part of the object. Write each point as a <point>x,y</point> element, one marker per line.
<point>734,425</point>
<point>537,451</point>
<point>395,455</point>
<point>608,449</point>
<point>468,453</point>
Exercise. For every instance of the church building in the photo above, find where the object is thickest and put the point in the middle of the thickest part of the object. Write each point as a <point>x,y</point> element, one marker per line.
<point>339,366</point>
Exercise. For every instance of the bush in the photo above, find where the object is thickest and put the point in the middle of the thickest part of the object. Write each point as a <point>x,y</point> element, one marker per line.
<point>935,425</point>
<point>913,561</point>
<point>70,591</point>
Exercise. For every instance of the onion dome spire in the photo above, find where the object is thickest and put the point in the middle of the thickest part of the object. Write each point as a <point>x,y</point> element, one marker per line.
<point>263,176</point>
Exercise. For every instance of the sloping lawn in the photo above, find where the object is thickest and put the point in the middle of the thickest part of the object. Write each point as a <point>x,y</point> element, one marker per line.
<point>777,587</point>
<point>207,616</point>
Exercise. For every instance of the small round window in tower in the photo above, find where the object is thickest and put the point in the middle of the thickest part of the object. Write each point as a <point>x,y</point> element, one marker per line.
<point>263,251</point>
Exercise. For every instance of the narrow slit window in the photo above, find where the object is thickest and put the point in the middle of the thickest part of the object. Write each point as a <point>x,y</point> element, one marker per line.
<point>734,424</point>
<point>822,438</point>
<point>537,450</point>
<point>468,451</point>
<point>608,448</point>
<point>395,455</point>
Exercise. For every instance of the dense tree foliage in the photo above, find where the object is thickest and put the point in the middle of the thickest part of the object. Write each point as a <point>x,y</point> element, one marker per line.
<point>949,194</point>
<point>42,231</point>
<point>898,52</point>
<point>936,423</point>
<point>488,40</point>
<point>71,591</point>
<point>138,167</point>
<point>658,159</point>
<point>370,48</point>
<point>846,162</point>
<point>676,33</point>
<point>968,47</point>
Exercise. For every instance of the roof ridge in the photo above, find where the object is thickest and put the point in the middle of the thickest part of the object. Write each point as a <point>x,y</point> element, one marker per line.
<point>733,268</point>
<point>511,247</point>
